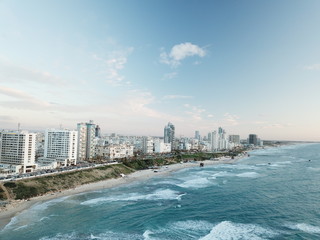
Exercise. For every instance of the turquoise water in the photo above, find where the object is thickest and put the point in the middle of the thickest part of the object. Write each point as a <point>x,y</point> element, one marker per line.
<point>273,194</point>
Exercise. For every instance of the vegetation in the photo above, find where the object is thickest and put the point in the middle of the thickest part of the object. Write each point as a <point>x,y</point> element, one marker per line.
<point>27,188</point>
<point>141,164</point>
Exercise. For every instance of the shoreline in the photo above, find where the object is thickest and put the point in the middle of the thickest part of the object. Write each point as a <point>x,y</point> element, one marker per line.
<point>18,206</point>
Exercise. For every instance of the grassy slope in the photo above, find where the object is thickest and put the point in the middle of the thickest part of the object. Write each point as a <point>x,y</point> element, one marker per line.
<point>27,188</point>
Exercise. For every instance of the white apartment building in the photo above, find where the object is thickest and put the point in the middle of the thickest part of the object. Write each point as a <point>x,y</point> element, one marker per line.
<point>17,151</point>
<point>114,151</point>
<point>161,147</point>
<point>61,146</point>
<point>86,137</point>
<point>147,145</point>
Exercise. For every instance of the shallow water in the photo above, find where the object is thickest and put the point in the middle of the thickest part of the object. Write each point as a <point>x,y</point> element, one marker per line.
<point>274,194</point>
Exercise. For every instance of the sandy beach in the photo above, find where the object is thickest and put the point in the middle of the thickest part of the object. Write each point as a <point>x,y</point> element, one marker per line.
<point>17,206</point>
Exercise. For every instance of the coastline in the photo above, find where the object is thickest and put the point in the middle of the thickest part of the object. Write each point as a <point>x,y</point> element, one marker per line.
<point>17,206</point>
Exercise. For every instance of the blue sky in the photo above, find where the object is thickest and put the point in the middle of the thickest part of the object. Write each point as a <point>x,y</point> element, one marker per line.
<point>133,66</point>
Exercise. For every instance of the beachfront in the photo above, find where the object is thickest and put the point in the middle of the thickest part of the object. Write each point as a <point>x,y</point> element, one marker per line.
<point>17,206</point>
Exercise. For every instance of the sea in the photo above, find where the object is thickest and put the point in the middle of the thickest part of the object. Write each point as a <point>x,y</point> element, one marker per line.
<point>272,194</point>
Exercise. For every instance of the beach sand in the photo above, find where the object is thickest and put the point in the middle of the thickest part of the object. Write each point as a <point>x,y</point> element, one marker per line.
<point>17,206</point>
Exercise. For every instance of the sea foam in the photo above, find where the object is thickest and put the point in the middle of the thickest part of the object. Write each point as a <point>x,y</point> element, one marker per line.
<point>304,227</point>
<point>229,231</point>
<point>161,194</point>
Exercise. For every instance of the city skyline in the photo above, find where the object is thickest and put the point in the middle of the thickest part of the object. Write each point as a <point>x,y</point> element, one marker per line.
<point>134,66</point>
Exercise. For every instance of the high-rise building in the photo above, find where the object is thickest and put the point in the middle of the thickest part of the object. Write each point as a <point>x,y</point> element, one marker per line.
<point>18,148</point>
<point>253,139</point>
<point>98,132</point>
<point>61,145</point>
<point>86,136</point>
<point>234,139</point>
<point>197,135</point>
<point>147,145</point>
<point>169,133</point>
<point>214,141</point>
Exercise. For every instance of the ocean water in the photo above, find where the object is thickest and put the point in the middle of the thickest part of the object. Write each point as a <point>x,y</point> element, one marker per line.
<point>273,194</point>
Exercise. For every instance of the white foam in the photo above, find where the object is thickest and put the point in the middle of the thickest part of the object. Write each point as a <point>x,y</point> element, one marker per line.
<point>314,169</point>
<point>192,229</point>
<point>304,227</point>
<point>146,234</point>
<point>222,174</point>
<point>231,231</point>
<point>21,227</point>
<point>238,166</point>
<point>104,236</point>
<point>248,175</point>
<point>45,205</point>
<point>192,225</point>
<point>161,194</point>
<point>198,182</point>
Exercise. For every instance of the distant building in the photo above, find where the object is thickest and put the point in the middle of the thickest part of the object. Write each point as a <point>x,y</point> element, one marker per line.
<point>253,139</point>
<point>147,145</point>
<point>197,135</point>
<point>86,136</point>
<point>61,146</point>
<point>98,132</point>
<point>114,151</point>
<point>17,151</point>
<point>169,132</point>
<point>161,147</point>
<point>234,139</point>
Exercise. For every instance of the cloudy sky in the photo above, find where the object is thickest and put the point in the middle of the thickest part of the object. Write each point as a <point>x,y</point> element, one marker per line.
<point>133,66</point>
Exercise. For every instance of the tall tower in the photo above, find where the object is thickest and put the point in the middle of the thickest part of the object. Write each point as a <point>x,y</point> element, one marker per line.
<point>197,135</point>
<point>86,136</point>
<point>253,139</point>
<point>98,131</point>
<point>169,133</point>
<point>214,141</point>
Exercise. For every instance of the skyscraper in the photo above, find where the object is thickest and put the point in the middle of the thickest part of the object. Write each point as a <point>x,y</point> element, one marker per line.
<point>253,139</point>
<point>86,136</point>
<point>98,131</point>
<point>197,135</point>
<point>169,133</point>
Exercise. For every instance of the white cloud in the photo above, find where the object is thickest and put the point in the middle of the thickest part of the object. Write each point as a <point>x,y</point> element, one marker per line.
<point>168,97</point>
<point>231,119</point>
<point>269,125</point>
<point>10,73</point>
<point>23,100</point>
<point>180,52</point>
<point>169,75</point>
<point>312,67</point>
<point>194,111</point>
<point>113,65</point>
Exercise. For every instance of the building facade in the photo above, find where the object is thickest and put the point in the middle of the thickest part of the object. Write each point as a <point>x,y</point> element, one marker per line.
<point>147,145</point>
<point>18,148</point>
<point>114,151</point>
<point>86,136</point>
<point>234,139</point>
<point>253,139</point>
<point>169,132</point>
<point>61,145</point>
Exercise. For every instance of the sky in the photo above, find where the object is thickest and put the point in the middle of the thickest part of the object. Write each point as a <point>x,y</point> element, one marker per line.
<point>133,66</point>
